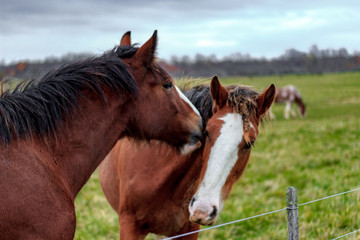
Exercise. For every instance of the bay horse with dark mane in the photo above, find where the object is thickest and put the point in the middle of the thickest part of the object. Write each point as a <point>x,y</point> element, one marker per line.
<point>55,131</point>
<point>154,189</point>
<point>289,95</point>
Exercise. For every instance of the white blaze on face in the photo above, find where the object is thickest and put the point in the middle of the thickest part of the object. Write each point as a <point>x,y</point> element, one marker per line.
<point>190,147</point>
<point>187,101</point>
<point>223,156</point>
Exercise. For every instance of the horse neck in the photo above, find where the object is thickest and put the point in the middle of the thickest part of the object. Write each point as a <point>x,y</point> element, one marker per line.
<point>300,103</point>
<point>186,175</point>
<point>87,137</point>
<point>173,177</point>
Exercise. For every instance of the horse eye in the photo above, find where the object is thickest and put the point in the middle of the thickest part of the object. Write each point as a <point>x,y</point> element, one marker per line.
<point>249,145</point>
<point>168,85</point>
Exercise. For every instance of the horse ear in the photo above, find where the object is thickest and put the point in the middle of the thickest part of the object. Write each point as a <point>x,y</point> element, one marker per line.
<point>219,94</point>
<point>265,99</point>
<point>146,53</point>
<point>126,40</point>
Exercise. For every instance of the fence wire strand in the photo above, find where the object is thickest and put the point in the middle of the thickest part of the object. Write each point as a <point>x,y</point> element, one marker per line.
<point>346,234</point>
<point>264,214</point>
<point>335,195</point>
<point>223,224</point>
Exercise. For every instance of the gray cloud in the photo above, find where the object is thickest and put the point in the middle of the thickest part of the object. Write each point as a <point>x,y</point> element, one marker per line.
<point>38,28</point>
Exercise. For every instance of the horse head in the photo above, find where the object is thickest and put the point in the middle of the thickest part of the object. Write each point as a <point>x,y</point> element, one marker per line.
<point>231,133</point>
<point>162,111</point>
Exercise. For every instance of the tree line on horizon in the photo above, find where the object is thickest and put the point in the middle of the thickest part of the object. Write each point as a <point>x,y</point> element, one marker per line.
<point>316,61</point>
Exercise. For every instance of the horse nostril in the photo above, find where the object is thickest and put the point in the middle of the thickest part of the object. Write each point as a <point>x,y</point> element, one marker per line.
<point>198,221</point>
<point>201,124</point>
<point>213,213</point>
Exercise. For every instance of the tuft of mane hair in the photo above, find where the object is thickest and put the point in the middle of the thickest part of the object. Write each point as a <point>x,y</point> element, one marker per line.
<point>200,97</point>
<point>39,106</point>
<point>243,101</point>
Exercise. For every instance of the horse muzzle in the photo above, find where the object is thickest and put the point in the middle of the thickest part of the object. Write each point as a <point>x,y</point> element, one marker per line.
<point>201,213</point>
<point>195,140</point>
<point>206,218</point>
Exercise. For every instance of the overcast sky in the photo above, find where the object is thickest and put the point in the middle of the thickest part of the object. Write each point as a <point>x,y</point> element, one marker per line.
<point>35,29</point>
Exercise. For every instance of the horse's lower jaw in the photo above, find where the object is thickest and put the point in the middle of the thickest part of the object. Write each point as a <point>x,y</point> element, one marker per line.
<point>189,147</point>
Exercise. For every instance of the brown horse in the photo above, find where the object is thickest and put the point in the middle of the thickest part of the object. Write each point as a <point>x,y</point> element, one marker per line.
<point>289,95</point>
<point>155,189</point>
<point>54,132</point>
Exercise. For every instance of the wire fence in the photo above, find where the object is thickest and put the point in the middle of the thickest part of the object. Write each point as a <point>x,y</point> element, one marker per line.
<point>346,234</point>
<point>268,213</point>
<point>224,224</point>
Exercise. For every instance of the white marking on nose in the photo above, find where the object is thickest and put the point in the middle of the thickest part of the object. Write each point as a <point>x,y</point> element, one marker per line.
<point>187,101</point>
<point>222,159</point>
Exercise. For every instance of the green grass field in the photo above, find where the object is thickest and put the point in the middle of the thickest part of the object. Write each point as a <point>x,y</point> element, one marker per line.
<point>319,155</point>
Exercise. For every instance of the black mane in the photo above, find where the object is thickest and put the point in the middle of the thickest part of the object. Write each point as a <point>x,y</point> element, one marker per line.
<point>38,106</point>
<point>200,97</point>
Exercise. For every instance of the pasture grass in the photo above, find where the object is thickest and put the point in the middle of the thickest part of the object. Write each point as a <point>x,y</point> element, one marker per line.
<point>319,155</point>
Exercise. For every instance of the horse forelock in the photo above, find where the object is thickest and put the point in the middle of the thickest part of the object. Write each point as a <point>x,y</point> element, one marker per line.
<point>125,51</point>
<point>39,105</point>
<point>243,101</point>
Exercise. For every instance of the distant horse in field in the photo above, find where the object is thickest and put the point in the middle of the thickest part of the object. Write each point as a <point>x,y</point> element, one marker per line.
<point>154,189</point>
<point>55,131</point>
<point>289,95</point>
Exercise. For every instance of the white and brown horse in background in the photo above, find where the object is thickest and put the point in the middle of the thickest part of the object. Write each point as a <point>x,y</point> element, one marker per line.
<point>155,189</point>
<point>289,95</point>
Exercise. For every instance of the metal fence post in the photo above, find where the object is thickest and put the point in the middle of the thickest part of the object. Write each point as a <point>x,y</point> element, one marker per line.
<point>292,214</point>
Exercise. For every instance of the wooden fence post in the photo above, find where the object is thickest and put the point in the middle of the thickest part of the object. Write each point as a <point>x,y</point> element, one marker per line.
<point>292,214</point>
